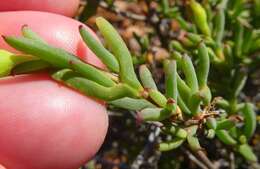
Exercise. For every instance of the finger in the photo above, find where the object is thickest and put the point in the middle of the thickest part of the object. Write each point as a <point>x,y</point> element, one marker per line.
<point>46,125</point>
<point>63,7</point>
<point>57,30</point>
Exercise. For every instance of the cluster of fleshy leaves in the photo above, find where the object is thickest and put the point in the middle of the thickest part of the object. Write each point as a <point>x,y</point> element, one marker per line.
<point>230,31</point>
<point>181,111</point>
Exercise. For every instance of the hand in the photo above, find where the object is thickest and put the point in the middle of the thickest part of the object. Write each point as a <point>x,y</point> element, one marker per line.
<point>63,7</point>
<point>43,124</point>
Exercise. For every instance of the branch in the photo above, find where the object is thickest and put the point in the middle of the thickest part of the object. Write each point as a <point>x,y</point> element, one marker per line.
<point>205,159</point>
<point>148,150</point>
<point>232,160</point>
<point>194,159</point>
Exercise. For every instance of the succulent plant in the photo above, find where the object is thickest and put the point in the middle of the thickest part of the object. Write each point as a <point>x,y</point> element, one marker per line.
<point>192,102</point>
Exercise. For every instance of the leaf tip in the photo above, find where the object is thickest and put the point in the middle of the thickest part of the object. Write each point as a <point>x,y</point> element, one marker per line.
<point>100,20</point>
<point>4,37</point>
<point>81,27</point>
<point>24,26</point>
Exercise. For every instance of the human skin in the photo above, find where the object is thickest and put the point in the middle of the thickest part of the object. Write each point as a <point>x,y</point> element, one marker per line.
<point>43,124</point>
<point>57,30</point>
<point>2,167</point>
<point>62,7</point>
<point>46,125</point>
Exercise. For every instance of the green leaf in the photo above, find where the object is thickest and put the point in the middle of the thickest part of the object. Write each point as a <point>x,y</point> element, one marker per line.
<point>93,89</point>
<point>8,61</point>
<point>193,143</point>
<point>132,104</point>
<point>249,120</point>
<point>219,21</point>
<point>30,66</point>
<point>184,108</point>
<point>181,133</point>
<point>225,124</point>
<point>222,103</point>
<point>239,82</point>
<point>157,97</point>
<point>59,58</point>
<point>239,32</point>
<point>28,33</point>
<point>210,134</point>
<point>146,77</point>
<point>255,46</point>
<point>102,53</point>
<point>246,151</point>
<point>170,68</point>
<point>176,55</point>
<point>154,114</point>
<point>195,38</point>
<point>176,46</point>
<point>225,137</point>
<point>200,17</point>
<point>151,114</point>
<point>190,74</point>
<point>205,95</point>
<point>183,89</point>
<point>203,65</point>
<point>211,123</point>
<point>119,48</point>
<point>192,130</point>
<point>194,103</point>
<point>248,40</point>
<point>170,145</point>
